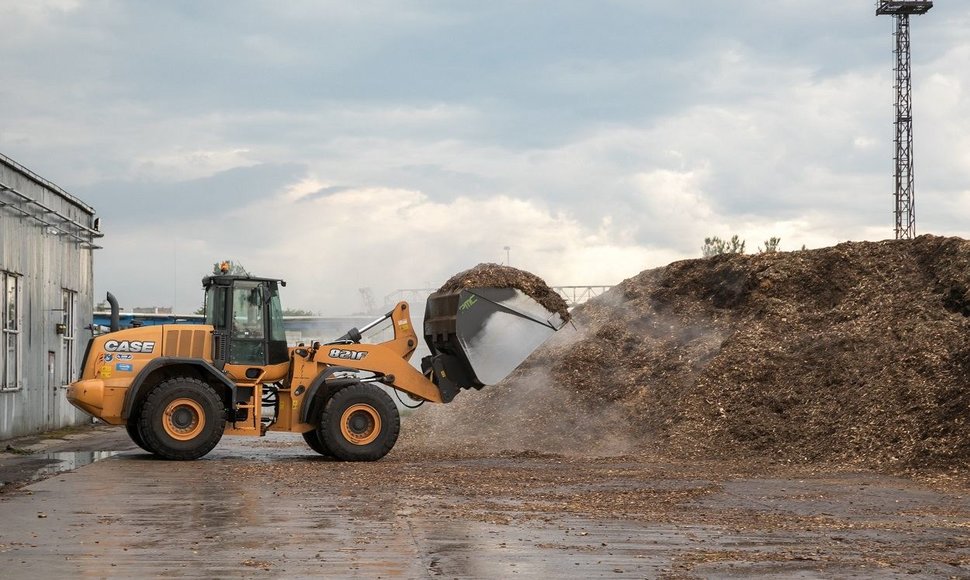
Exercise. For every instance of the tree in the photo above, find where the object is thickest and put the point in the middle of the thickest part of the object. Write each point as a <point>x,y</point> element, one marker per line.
<point>234,268</point>
<point>716,246</point>
<point>297,312</point>
<point>367,297</point>
<point>237,269</point>
<point>286,312</point>
<point>771,245</point>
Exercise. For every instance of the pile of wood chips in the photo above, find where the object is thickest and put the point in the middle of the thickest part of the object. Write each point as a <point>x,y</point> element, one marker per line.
<point>858,353</point>
<point>498,276</point>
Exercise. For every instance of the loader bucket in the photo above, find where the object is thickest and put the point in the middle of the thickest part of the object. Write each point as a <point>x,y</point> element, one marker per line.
<point>477,336</point>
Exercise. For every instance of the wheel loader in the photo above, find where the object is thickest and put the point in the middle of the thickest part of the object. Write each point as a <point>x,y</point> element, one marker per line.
<point>179,388</point>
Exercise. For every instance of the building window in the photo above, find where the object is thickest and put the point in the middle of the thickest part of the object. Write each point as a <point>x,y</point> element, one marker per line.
<point>70,332</point>
<point>10,339</point>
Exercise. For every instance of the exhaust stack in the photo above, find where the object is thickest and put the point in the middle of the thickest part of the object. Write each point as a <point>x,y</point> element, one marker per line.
<point>115,321</point>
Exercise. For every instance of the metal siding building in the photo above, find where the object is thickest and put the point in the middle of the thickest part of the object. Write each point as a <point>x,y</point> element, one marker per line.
<point>47,294</point>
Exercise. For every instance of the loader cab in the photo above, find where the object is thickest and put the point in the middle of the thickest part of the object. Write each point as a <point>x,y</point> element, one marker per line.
<point>247,320</point>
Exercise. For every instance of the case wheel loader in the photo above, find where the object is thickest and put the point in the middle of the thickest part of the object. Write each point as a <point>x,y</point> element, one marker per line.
<point>179,388</point>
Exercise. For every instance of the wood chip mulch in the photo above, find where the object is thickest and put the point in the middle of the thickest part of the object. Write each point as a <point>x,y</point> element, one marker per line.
<point>498,276</point>
<point>858,353</point>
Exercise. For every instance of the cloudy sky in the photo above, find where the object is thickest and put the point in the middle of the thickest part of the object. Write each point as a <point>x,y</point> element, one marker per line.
<point>388,144</point>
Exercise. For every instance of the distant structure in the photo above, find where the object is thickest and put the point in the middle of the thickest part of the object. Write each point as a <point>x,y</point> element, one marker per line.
<point>904,209</point>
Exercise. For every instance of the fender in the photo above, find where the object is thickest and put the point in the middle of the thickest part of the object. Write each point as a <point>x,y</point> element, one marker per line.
<point>321,382</point>
<point>139,388</point>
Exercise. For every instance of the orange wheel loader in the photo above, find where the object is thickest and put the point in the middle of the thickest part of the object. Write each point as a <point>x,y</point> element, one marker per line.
<point>178,388</point>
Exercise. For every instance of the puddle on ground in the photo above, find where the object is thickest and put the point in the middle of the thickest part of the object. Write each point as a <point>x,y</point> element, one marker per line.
<point>68,461</point>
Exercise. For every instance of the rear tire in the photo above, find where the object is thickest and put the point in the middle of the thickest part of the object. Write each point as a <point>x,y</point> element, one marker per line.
<point>182,419</point>
<point>360,423</point>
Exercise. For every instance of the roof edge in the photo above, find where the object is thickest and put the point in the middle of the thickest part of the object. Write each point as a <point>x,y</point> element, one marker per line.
<point>45,183</point>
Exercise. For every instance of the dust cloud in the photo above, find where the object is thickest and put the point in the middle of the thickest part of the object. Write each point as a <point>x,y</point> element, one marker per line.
<point>528,412</point>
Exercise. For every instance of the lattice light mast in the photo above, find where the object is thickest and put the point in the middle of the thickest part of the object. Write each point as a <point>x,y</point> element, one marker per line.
<point>904,211</point>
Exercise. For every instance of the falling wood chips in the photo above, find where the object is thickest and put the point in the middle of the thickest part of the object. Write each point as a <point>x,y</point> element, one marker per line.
<point>858,353</point>
<point>498,276</point>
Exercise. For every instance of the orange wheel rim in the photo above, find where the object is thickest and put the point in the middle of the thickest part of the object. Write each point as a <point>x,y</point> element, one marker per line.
<point>183,419</point>
<point>360,424</point>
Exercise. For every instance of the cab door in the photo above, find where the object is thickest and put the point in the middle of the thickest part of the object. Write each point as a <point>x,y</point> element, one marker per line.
<point>247,320</point>
<point>247,331</point>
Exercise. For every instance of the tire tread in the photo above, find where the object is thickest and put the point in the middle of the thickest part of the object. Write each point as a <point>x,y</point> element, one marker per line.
<point>390,423</point>
<point>156,402</point>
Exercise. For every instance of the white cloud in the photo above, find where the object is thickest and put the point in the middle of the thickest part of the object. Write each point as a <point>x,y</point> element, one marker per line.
<point>185,164</point>
<point>594,141</point>
<point>388,238</point>
<point>20,20</point>
<point>302,188</point>
<point>329,246</point>
<point>674,205</point>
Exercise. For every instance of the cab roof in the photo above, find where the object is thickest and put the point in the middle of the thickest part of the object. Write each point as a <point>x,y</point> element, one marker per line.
<point>227,280</point>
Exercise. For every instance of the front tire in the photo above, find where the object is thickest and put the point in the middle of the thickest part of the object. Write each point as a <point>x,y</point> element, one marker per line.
<point>360,423</point>
<point>132,427</point>
<point>182,419</point>
<point>315,440</point>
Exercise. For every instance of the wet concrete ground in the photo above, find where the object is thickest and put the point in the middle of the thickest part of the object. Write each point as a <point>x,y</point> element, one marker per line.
<point>272,508</point>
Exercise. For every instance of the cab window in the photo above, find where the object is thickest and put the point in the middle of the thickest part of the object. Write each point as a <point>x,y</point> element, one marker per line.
<point>215,306</point>
<point>247,310</point>
<point>276,330</point>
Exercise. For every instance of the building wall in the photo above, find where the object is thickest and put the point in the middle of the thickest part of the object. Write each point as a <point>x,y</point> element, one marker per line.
<point>47,261</point>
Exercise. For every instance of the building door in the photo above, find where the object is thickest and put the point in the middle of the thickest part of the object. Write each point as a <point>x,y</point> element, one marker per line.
<point>68,371</point>
<point>51,389</point>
